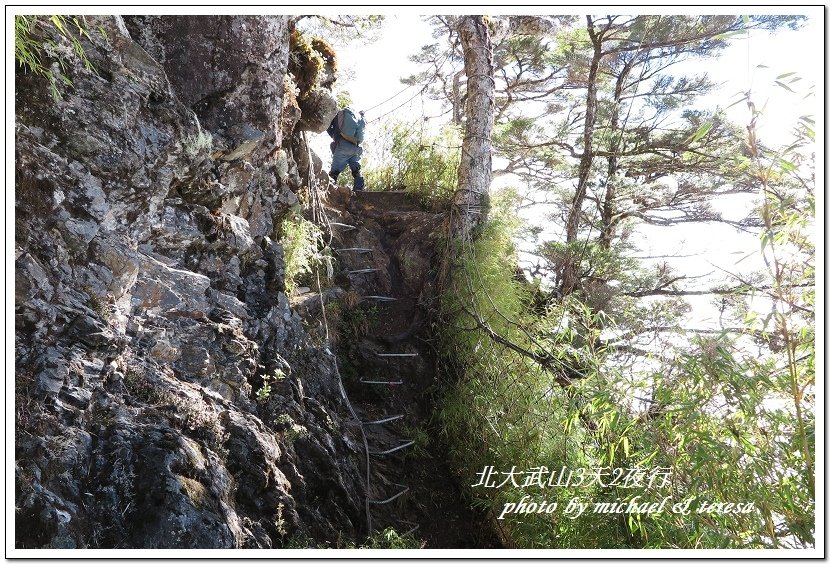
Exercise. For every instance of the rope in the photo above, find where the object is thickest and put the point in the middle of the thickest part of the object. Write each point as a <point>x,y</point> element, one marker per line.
<point>390,98</point>
<point>421,91</point>
<point>427,84</point>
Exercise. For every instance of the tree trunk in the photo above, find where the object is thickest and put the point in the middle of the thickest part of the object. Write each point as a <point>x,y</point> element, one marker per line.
<point>608,208</point>
<point>569,268</point>
<point>475,170</point>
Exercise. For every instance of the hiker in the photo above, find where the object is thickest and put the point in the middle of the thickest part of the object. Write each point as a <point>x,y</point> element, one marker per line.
<point>347,132</point>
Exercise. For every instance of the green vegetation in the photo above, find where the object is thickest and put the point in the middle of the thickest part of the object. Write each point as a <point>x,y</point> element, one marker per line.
<point>195,144</point>
<point>422,164</point>
<point>390,538</point>
<point>301,241</point>
<point>308,60</point>
<point>341,30</point>
<point>264,391</point>
<point>595,365</point>
<point>322,47</point>
<point>97,303</point>
<point>344,99</point>
<point>349,322</point>
<point>505,411</point>
<point>718,424</point>
<point>420,435</point>
<point>290,429</point>
<point>35,42</point>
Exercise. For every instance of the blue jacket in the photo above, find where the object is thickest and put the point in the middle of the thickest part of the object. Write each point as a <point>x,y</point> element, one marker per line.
<point>334,129</point>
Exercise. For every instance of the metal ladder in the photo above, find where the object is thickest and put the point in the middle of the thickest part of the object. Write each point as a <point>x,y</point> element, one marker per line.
<point>403,489</point>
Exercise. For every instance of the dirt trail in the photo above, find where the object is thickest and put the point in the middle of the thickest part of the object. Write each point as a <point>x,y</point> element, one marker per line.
<point>398,233</point>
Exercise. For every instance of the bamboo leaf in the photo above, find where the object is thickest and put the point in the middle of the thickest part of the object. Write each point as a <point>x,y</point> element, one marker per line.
<point>784,86</point>
<point>786,166</point>
<point>701,132</point>
<point>731,34</point>
<point>57,21</point>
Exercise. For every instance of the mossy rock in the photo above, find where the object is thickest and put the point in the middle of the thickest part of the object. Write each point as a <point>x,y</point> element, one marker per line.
<point>312,62</point>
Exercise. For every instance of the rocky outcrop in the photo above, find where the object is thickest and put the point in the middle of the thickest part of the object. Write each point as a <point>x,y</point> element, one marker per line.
<point>166,393</point>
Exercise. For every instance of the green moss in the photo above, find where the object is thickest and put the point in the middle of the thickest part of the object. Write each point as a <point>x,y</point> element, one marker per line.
<point>195,492</point>
<point>307,60</point>
<point>323,47</point>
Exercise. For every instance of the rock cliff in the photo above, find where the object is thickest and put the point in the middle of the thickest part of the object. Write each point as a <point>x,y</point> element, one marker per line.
<point>150,301</point>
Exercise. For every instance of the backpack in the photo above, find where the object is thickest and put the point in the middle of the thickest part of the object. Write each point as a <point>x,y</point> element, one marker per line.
<point>351,129</point>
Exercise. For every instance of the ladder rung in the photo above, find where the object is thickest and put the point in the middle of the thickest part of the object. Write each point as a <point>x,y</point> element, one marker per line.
<point>382,421</point>
<point>393,449</point>
<point>390,382</point>
<point>354,250</point>
<point>396,496</point>
<point>363,270</point>
<point>408,355</point>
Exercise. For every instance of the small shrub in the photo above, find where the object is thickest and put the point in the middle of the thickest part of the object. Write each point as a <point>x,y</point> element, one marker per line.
<point>279,522</point>
<point>356,322</point>
<point>140,387</point>
<point>264,392</point>
<point>344,99</point>
<point>390,538</point>
<point>424,165</point>
<point>291,430</point>
<point>96,303</point>
<point>302,242</point>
